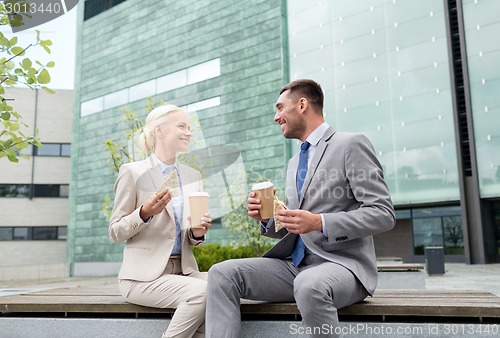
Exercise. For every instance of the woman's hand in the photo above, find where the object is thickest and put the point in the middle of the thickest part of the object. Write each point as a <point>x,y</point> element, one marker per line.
<point>206,223</point>
<point>155,204</point>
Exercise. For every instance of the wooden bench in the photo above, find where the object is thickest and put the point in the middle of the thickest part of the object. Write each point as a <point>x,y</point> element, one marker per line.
<point>103,300</point>
<point>389,259</point>
<point>400,267</point>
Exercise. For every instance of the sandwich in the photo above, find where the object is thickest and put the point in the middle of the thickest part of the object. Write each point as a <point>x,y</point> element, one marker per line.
<point>278,205</point>
<point>171,183</point>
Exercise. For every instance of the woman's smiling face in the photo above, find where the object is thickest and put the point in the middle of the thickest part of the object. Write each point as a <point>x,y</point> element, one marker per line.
<point>176,132</point>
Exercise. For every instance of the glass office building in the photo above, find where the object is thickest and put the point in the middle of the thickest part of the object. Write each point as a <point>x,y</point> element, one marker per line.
<point>419,78</point>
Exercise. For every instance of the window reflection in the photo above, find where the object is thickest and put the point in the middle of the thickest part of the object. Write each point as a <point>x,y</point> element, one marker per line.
<point>39,190</point>
<point>91,106</point>
<point>203,71</point>
<point>385,71</point>
<point>437,226</point>
<point>17,233</point>
<point>171,81</point>
<point>116,99</point>
<point>197,73</point>
<point>142,90</point>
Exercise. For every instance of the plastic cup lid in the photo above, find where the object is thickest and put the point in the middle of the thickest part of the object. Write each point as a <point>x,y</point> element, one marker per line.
<point>262,185</point>
<point>199,194</point>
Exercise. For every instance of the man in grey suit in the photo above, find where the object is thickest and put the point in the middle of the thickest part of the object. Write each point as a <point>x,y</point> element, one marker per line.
<point>325,260</point>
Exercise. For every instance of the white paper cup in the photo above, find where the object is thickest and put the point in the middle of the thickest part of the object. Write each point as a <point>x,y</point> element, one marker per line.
<point>264,192</point>
<point>198,206</point>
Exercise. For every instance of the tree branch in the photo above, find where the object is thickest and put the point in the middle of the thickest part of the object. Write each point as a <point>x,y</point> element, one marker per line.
<point>16,55</point>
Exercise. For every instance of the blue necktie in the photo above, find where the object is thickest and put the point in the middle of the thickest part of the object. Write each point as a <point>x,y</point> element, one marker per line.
<point>299,249</point>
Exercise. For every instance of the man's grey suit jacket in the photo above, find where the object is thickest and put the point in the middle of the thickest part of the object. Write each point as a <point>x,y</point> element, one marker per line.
<point>345,183</point>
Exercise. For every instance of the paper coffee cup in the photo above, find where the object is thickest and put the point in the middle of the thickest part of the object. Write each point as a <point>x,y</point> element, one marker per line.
<point>264,192</point>
<point>198,206</point>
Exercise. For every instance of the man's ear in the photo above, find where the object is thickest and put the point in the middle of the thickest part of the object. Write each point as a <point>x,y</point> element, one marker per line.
<point>303,104</point>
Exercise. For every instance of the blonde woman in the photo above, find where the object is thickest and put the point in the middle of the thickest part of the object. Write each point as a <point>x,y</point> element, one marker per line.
<point>158,268</point>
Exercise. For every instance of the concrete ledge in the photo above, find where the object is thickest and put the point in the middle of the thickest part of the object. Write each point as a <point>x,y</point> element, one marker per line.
<point>96,269</point>
<point>153,328</point>
<point>34,272</point>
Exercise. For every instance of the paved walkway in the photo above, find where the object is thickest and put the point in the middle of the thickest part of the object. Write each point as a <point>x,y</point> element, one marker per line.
<point>462,276</point>
<point>457,276</point>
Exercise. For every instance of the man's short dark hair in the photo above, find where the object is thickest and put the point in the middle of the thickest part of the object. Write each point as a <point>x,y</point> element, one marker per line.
<point>309,89</point>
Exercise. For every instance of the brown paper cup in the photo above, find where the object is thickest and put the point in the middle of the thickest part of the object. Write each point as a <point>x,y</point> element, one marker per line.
<point>264,192</point>
<point>198,206</point>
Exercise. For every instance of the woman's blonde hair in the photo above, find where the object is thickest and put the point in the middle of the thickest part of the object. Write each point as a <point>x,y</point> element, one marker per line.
<point>157,116</point>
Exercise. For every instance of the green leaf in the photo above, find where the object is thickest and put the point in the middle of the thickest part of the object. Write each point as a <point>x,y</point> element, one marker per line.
<point>2,90</point>
<point>47,49</point>
<point>50,64</point>
<point>11,155</point>
<point>43,77</point>
<point>12,79</point>
<point>6,116</point>
<point>13,41</point>
<point>17,50</point>
<point>10,65</point>
<point>7,144</point>
<point>45,44</point>
<point>12,158</point>
<point>48,90</point>
<point>15,126</point>
<point>26,64</point>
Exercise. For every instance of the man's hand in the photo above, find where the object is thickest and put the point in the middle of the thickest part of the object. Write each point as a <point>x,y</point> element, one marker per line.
<point>254,208</point>
<point>300,221</point>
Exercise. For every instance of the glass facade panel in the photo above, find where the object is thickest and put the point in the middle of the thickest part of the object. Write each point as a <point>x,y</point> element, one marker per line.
<point>482,27</point>
<point>440,226</point>
<point>497,225</point>
<point>213,102</point>
<point>91,106</point>
<point>384,68</point>
<point>6,233</point>
<point>62,233</point>
<point>142,90</point>
<point>171,81</point>
<point>14,190</point>
<point>66,149</point>
<point>426,232</point>
<point>47,190</point>
<point>203,71</point>
<point>116,99</point>
<point>63,190</point>
<point>21,233</point>
<point>453,235</point>
<point>48,149</point>
<point>44,233</point>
